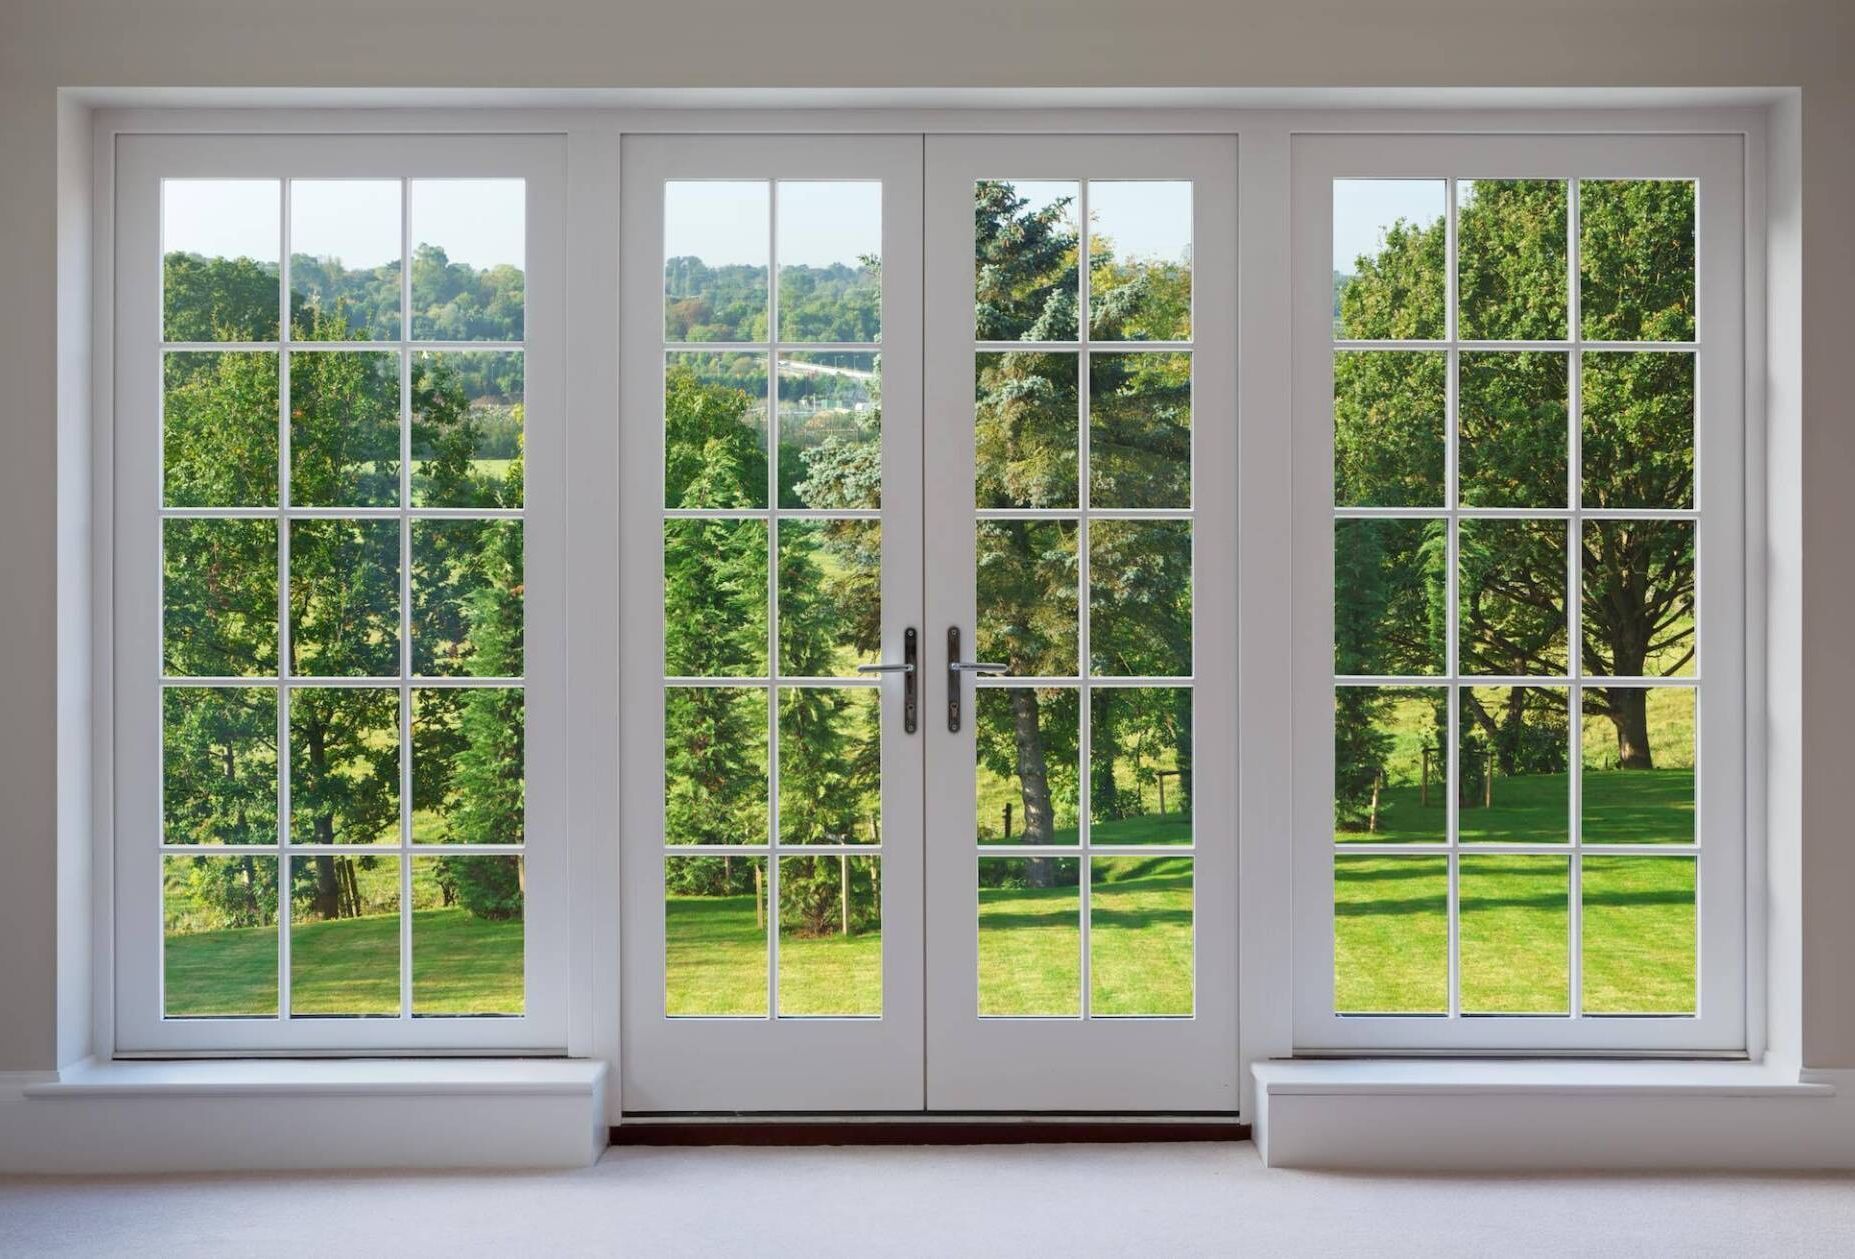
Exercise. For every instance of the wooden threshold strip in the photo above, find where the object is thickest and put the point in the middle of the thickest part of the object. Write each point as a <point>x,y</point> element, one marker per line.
<point>883,1130</point>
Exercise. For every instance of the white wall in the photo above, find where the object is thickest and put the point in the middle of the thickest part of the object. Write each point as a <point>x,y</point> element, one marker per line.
<point>46,44</point>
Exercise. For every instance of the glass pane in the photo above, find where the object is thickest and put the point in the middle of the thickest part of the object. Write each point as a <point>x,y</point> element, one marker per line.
<point>219,429</point>
<point>219,937</point>
<point>715,954</point>
<point>830,936</point>
<point>1639,598</point>
<point>344,260</point>
<point>344,935</point>
<point>1636,259</point>
<point>714,260</point>
<point>1030,765</point>
<point>1511,259</point>
<point>830,261</point>
<point>1638,752</point>
<point>467,434</point>
<point>219,255</point>
<point>1030,940</point>
<point>1027,596</point>
<point>1390,765</point>
<point>219,597</point>
<point>1026,416</point>
<point>830,597</point>
<point>1140,430</point>
<point>714,598</point>
<point>344,765</point>
<point>1024,260</point>
<point>1391,935</point>
<point>1140,936</point>
<point>1390,410</point>
<point>715,765</point>
<point>344,429</point>
<point>1638,445</point>
<point>1514,430</point>
<point>830,765</point>
<point>467,598</point>
<point>1639,935</point>
<point>1512,592</point>
<point>1140,598</point>
<point>1140,765</point>
<point>830,430</point>
<point>714,421</point>
<point>469,765</point>
<point>1390,265</point>
<point>1140,260</point>
<point>467,947</point>
<point>469,243</point>
<point>1515,942</point>
<point>344,598</point>
<point>218,765</point>
<point>1512,771</point>
<point>1389,578</point>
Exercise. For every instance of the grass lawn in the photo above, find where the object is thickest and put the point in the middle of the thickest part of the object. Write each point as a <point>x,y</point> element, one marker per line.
<point>1653,806</point>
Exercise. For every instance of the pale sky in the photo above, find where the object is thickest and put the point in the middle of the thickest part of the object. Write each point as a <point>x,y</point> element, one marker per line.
<point>1364,208</point>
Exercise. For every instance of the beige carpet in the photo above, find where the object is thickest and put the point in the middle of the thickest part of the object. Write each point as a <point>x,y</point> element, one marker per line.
<point>1123,1200</point>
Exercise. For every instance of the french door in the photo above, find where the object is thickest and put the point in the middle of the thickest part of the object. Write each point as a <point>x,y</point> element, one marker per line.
<point>928,759</point>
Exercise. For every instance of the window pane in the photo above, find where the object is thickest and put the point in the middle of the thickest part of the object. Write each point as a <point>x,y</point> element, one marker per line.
<point>1140,765</point>
<point>467,598</point>
<point>715,598</point>
<point>1636,259</point>
<point>1389,259</point>
<point>1390,410</point>
<point>715,765</point>
<point>219,765</point>
<point>1140,260</point>
<point>1515,945</point>
<point>219,252</point>
<point>1639,598</point>
<point>1512,593</point>
<point>1390,765</point>
<point>469,761</point>
<point>219,429</point>
<point>219,937</point>
<point>1027,596</point>
<point>1391,935</point>
<point>830,597</point>
<point>1030,940</point>
<point>344,765</point>
<point>1140,430</point>
<point>830,765</point>
<point>1513,769</point>
<point>467,428</point>
<point>1514,429</point>
<point>344,935</point>
<point>1030,765</point>
<point>715,260</point>
<point>344,598</point>
<point>1140,936</point>
<point>830,430</point>
<point>1027,418</point>
<point>219,596</point>
<point>1511,259</point>
<point>1140,598</point>
<point>715,953</point>
<point>1638,753</point>
<point>1639,935</point>
<point>830,261</point>
<point>1024,260</point>
<point>344,259</point>
<point>467,947</point>
<point>1638,444</point>
<point>469,246</point>
<point>714,408</point>
<point>344,429</point>
<point>830,936</point>
<point>1388,580</point>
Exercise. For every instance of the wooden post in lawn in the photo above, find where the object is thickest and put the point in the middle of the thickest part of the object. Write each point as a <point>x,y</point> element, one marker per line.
<point>1426,778</point>
<point>1487,783</point>
<point>1378,781</point>
<point>843,891</point>
<point>1007,819</point>
<point>759,907</point>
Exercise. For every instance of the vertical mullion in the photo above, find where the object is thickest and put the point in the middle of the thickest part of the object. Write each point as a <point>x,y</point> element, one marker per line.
<point>1085,695</point>
<point>772,595</point>
<point>1574,602</point>
<point>1451,595</point>
<point>284,873</point>
<point>405,598</point>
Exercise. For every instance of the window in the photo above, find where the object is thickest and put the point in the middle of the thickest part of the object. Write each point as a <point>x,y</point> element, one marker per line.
<point>1535,546</point>
<point>329,601</point>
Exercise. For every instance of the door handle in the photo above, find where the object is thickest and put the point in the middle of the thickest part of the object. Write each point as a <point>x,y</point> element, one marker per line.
<point>956,667</point>
<point>908,671</point>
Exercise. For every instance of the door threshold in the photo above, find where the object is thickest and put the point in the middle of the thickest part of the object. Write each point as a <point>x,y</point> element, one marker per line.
<point>916,1128</point>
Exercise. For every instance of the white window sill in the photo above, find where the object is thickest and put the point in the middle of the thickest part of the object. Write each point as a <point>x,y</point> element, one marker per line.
<point>347,1077</point>
<point>1562,1077</point>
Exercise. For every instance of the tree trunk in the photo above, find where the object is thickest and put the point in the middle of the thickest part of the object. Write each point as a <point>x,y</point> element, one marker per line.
<point>1182,748</point>
<point>326,901</point>
<point>1033,784</point>
<point>1629,713</point>
<point>1104,799</point>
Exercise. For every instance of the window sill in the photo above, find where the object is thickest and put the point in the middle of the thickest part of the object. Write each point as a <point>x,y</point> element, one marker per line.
<point>347,1077</point>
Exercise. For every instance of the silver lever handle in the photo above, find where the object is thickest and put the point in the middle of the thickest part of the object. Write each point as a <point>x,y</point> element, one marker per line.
<point>957,666</point>
<point>886,668</point>
<point>977,666</point>
<point>910,647</point>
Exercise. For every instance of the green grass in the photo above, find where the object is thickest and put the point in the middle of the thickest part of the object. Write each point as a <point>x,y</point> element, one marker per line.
<point>1626,806</point>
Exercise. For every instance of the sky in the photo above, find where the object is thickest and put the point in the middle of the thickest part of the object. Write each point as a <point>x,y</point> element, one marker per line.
<point>1364,208</point>
<point>477,221</point>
